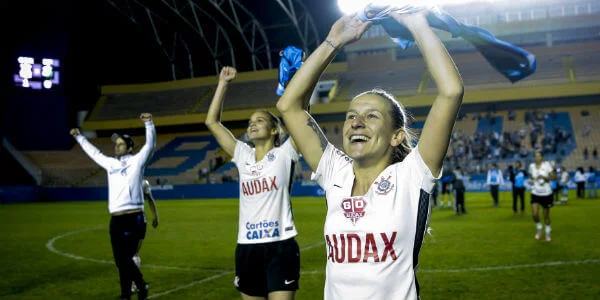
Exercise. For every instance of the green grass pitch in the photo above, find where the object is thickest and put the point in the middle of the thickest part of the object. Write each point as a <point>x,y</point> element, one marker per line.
<point>62,251</point>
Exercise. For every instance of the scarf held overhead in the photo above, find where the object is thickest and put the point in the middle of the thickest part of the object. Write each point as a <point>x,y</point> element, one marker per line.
<point>509,60</point>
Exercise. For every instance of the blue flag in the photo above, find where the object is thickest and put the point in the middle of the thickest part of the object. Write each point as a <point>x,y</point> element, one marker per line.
<point>509,60</point>
<point>291,61</point>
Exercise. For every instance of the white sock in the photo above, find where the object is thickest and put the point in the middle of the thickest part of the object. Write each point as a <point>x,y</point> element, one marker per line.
<point>137,260</point>
<point>548,229</point>
<point>539,226</point>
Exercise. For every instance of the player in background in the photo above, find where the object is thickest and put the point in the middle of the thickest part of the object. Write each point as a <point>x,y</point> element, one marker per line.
<point>267,256</point>
<point>151,203</point>
<point>564,184</point>
<point>378,188</point>
<point>541,172</point>
<point>125,200</point>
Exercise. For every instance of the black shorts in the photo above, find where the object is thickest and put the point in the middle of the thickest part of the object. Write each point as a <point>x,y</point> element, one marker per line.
<point>544,201</point>
<point>268,267</point>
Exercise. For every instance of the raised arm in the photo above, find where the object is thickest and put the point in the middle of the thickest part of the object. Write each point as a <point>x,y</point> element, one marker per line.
<point>294,100</point>
<point>435,135</point>
<point>224,137</point>
<point>94,153</point>
<point>148,148</point>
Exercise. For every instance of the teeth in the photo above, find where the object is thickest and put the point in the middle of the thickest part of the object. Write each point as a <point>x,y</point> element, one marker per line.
<point>359,138</point>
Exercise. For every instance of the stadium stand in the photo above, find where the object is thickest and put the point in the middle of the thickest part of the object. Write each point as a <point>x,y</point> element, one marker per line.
<point>166,102</point>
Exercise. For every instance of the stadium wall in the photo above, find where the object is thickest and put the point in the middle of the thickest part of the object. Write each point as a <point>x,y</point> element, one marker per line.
<point>23,194</point>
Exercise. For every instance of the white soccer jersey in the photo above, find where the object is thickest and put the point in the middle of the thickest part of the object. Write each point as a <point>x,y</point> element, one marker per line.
<point>265,206</point>
<point>124,174</point>
<point>373,241</point>
<point>540,187</point>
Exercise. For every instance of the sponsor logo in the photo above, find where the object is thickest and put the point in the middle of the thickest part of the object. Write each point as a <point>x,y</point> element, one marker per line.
<point>352,248</point>
<point>236,281</point>
<point>384,186</point>
<point>257,186</point>
<point>354,208</point>
<point>270,156</point>
<point>261,230</point>
<point>288,282</point>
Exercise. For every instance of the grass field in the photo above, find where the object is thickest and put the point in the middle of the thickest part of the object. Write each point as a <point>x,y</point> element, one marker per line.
<point>62,251</point>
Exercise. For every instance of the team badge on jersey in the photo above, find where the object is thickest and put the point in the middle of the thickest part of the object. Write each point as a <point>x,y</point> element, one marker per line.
<point>256,169</point>
<point>270,156</point>
<point>354,208</point>
<point>384,186</point>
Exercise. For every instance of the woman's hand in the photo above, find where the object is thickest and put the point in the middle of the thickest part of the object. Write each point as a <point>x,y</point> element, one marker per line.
<point>227,74</point>
<point>346,30</point>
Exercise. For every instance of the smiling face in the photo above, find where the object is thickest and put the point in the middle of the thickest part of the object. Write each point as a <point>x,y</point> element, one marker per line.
<point>260,127</point>
<point>368,129</point>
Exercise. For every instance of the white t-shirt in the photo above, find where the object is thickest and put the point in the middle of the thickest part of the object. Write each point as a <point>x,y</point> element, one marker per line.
<point>125,174</point>
<point>373,241</point>
<point>541,187</point>
<point>265,206</point>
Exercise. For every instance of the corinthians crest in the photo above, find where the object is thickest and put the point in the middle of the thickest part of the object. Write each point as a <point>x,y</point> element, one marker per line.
<point>384,185</point>
<point>354,208</point>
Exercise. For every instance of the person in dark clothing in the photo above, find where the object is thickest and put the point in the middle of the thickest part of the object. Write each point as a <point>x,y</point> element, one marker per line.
<point>518,177</point>
<point>459,188</point>
<point>434,194</point>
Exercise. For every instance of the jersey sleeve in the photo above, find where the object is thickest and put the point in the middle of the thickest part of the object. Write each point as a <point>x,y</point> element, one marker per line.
<point>94,153</point>
<point>331,161</point>
<point>147,150</point>
<point>242,152</point>
<point>287,148</point>
<point>419,172</point>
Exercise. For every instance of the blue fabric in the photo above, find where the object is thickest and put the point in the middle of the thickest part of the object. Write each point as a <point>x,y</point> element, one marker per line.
<point>447,178</point>
<point>509,60</point>
<point>494,174</point>
<point>520,179</point>
<point>291,61</point>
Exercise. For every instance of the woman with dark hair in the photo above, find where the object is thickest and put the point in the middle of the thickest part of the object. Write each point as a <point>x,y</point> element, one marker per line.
<point>267,257</point>
<point>541,173</point>
<point>378,187</point>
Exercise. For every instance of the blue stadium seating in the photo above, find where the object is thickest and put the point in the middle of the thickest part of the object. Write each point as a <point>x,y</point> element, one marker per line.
<point>488,125</point>
<point>194,157</point>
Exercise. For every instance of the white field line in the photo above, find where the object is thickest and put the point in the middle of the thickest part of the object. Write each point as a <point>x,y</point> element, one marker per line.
<point>50,246</point>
